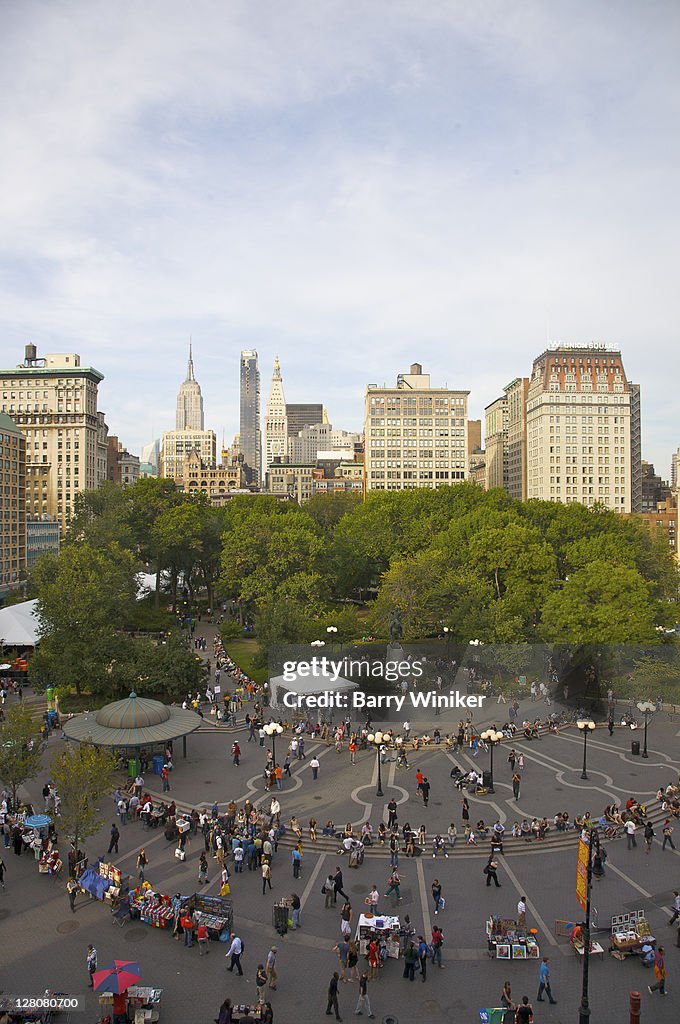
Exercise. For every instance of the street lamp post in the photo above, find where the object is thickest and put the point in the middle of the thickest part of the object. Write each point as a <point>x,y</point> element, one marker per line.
<point>377,739</point>
<point>647,709</point>
<point>273,729</point>
<point>584,1008</point>
<point>586,726</point>
<point>492,737</point>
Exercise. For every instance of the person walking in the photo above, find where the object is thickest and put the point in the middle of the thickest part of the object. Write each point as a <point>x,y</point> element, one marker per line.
<point>437,943</point>
<point>630,828</point>
<point>296,907</point>
<point>373,899</point>
<point>524,1013</point>
<point>333,997</point>
<point>203,869</point>
<point>667,835</point>
<point>341,947</point>
<point>337,886</point>
<point>394,851</point>
<point>272,973</point>
<point>512,757</point>
<point>544,981</point>
<point>296,859</point>
<point>187,925</point>
<point>649,836</point>
<point>314,764</point>
<point>72,890</point>
<point>410,961</point>
<point>437,895</point>
<point>422,956</point>
<point>266,876</point>
<point>142,861</point>
<point>165,775</point>
<point>260,983</point>
<point>425,791</point>
<point>659,973</point>
<point>363,1002</point>
<point>516,781</point>
<point>115,836</point>
<point>203,940</point>
<point>676,907</point>
<point>522,912</point>
<point>490,872</point>
<point>236,754</point>
<point>393,883</point>
<point>392,813</point>
<point>91,961</point>
<point>234,954</point>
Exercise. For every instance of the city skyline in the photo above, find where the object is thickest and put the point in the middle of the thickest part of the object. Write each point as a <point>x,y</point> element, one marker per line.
<point>455,186</point>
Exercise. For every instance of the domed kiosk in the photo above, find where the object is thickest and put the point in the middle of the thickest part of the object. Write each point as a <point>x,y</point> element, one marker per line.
<point>133,724</point>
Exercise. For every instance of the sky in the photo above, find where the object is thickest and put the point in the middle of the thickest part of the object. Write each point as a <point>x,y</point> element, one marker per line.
<point>355,185</point>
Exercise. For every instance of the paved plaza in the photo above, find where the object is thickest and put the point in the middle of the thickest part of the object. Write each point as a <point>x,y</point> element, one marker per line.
<point>44,945</point>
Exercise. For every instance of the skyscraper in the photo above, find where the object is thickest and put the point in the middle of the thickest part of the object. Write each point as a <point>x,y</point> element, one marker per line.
<point>250,434</point>
<point>275,424</point>
<point>583,429</point>
<point>189,401</point>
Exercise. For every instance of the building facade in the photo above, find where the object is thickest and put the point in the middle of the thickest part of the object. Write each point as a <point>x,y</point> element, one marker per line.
<point>496,443</point>
<point>189,413</point>
<point>275,422</point>
<point>303,414</point>
<point>415,434</point>
<point>54,401</point>
<point>177,444</point>
<point>664,518</point>
<point>321,437</point>
<point>214,481</point>
<point>122,467</point>
<point>12,505</point>
<point>581,414</point>
<point>675,470</point>
<point>42,538</point>
<point>250,435</point>
<point>300,482</point>
<point>517,392</point>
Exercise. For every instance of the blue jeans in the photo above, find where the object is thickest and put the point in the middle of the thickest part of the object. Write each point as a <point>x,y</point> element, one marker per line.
<point>188,937</point>
<point>296,919</point>
<point>437,955</point>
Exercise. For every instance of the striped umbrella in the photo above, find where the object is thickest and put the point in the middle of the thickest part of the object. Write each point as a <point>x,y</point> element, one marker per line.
<point>117,977</point>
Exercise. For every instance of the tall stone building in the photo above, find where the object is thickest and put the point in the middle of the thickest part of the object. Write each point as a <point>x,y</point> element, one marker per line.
<point>415,434</point>
<point>12,505</point>
<point>177,444</point>
<point>496,444</point>
<point>275,422</point>
<point>250,436</point>
<point>583,428</point>
<point>189,415</point>
<point>675,470</point>
<point>516,393</point>
<point>53,400</point>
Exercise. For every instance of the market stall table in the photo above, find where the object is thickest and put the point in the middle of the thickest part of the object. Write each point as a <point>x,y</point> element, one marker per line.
<point>510,940</point>
<point>384,926</point>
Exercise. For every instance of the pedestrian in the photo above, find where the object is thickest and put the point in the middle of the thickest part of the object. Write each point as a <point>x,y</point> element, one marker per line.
<point>394,851</point>
<point>516,780</point>
<point>187,925</point>
<point>425,791</point>
<point>373,899</point>
<point>676,907</point>
<point>649,836</point>
<point>236,753</point>
<point>667,835</point>
<point>437,943</point>
<point>393,883</point>
<point>142,861</point>
<point>333,997</point>
<point>659,974</point>
<point>260,983</point>
<point>203,939</point>
<point>610,723</point>
<point>392,813</point>
<point>422,956</point>
<point>272,973</point>
<point>296,907</point>
<point>465,813</point>
<point>353,754</point>
<point>630,828</point>
<point>522,912</point>
<point>437,896</point>
<point>544,981</point>
<point>410,961</point>
<point>203,869</point>
<point>337,886</point>
<point>328,892</point>
<point>266,876</point>
<point>363,1002</point>
<point>72,890</point>
<point>314,765</point>
<point>91,962</point>
<point>524,1013</point>
<point>165,775</point>
<point>490,872</point>
<point>234,953</point>
<point>296,859</point>
<point>506,997</point>
<point>113,841</point>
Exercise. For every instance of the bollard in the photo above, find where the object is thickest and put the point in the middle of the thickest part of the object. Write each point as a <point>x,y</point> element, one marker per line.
<point>634,1008</point>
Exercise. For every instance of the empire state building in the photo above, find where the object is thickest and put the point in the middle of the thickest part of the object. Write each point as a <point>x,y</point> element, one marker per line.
<point>189,402</point>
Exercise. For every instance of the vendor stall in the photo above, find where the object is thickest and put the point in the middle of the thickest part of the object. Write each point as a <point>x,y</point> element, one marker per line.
<point>511,941</point>
<point>151,907</point>
<point>630,932</point>
<point>215,912</point>
<point>380,926</point>
<point>142,1003</point>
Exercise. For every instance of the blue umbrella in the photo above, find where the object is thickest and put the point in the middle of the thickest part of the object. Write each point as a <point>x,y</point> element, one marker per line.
<point>38,821</point>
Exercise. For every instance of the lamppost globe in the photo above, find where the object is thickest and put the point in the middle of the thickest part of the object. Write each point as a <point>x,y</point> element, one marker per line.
<point>492,737</point>
<point>331,629</point>
<point>273,729</point>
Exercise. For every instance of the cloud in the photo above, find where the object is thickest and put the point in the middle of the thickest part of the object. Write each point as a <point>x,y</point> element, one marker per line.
<point>351,185</point>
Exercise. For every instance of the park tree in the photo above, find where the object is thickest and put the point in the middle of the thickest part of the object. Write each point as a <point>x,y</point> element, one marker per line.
<point>149,498</point>
<point>81,774</point>
<point>101,517</point>
<point>169,668</point>
<point>20,749</point>
<point>601,603</point>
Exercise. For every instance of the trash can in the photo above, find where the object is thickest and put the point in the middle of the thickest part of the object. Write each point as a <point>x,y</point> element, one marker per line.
<point>635,748</point>
<point>132,767</point>
<point>158,762</point>
<point>486,779</point>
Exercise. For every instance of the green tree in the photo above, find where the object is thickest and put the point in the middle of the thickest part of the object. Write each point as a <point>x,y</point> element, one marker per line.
<point>601,604</point>
<point>20,748</point>
<point>149,498</point>
<point>101,517</point>
<point>81,774</point>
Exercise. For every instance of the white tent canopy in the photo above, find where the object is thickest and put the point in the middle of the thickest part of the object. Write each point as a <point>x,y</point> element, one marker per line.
<point>19,625</point>
<point>306,686</point>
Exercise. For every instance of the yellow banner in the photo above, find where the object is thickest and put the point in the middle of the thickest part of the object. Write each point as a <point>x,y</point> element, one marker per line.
<point>582,873</point>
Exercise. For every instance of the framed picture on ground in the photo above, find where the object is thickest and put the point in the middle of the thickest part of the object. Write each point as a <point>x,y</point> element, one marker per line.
<point>503,951</point>
<point>519,952</point>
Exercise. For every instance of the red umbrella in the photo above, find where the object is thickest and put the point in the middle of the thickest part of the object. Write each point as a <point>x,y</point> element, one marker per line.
<point>117,977</point>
